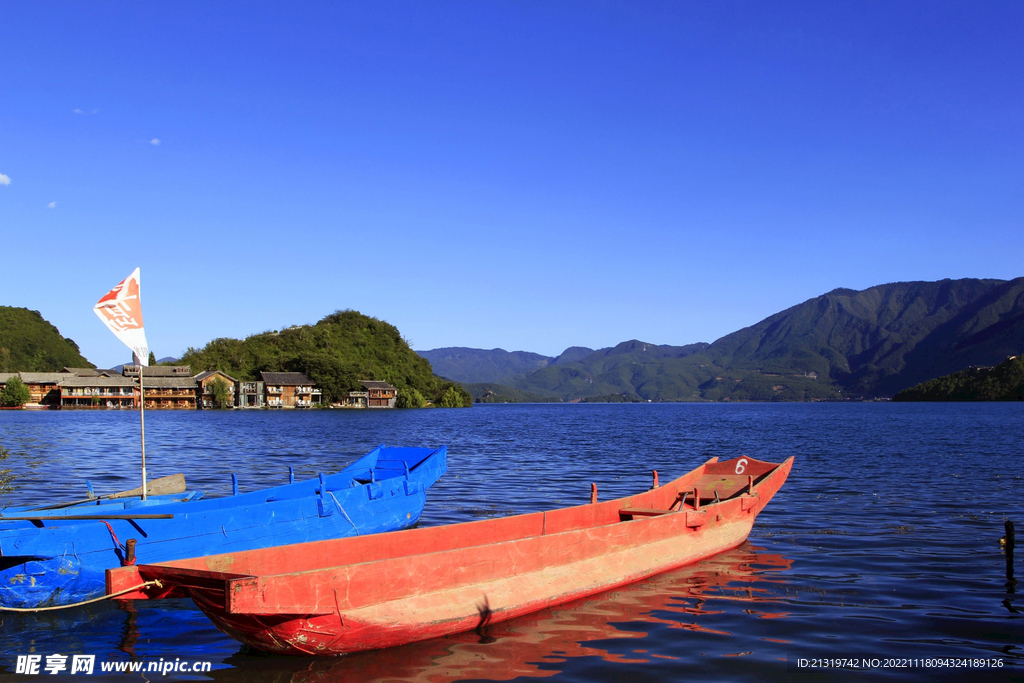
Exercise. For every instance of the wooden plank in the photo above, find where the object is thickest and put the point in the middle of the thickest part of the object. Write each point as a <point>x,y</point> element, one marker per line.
<point>162,486</point>
<point>644,512</point>
<point>695,519</point>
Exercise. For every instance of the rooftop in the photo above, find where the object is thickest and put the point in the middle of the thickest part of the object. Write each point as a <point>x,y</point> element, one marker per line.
<point>83,372</point>
<point>100,381</point>
<point>210,373</point>
<point>44,377</point>
<point>288,379</point>
<point>159,371</point>
<point>373,384</point>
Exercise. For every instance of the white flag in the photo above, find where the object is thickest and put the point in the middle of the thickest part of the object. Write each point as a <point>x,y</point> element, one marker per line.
<point>121,311</point>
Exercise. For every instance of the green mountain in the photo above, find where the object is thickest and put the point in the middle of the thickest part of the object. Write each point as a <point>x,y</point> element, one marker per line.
<point>1004,382</point>
<point>493,365</point>
<point>846,343</point>
<point>28,343</point>
<point>336,353</point>
<point>886,338</point>
<point>635,370</point>
<point>573,354</point>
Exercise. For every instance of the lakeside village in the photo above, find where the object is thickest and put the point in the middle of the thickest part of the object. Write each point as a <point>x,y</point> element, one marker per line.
<point>176,388</point>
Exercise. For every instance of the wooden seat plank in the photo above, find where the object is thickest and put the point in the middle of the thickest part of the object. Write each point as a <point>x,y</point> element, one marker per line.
<point>644,512</point>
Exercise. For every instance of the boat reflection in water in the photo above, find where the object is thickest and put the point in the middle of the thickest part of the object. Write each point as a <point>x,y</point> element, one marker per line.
<point>537,645</point>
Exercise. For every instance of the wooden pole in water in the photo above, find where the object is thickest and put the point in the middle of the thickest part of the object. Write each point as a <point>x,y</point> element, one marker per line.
<point>1009,541</point>
<point>142,423</point>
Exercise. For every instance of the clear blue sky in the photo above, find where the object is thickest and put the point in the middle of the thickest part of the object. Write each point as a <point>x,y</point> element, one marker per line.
<point>524,175</point>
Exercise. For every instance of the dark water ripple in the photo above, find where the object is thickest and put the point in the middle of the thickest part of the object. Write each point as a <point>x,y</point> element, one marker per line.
<point>883,543</point>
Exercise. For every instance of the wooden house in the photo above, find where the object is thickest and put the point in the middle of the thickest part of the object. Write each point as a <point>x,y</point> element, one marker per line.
<point>43,388</point>
<point>380,394</point>
<point>205,381</point>
<point>289,390</point>
<point>356,399</point>
<point>178,393</point>
<point>250,395</point>
<point>98,391</point>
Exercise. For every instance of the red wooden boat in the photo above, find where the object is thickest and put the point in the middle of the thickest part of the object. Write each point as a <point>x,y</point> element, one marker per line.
<point>368,592</point>
<point>692,598</point>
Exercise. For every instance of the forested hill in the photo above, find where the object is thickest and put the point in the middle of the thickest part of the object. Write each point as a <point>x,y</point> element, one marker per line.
<point>1004,382</point>
<point>336,353</point>
<point>28,343</point>
<point>633,370</point>
<point>881,340</point>
<point>483,365</point>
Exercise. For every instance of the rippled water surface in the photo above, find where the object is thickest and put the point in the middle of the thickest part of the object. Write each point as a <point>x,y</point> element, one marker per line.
<point>883,543</point>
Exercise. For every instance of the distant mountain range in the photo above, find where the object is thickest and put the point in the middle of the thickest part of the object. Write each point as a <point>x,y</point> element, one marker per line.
<point>846,343</point>
<point>481,365</point>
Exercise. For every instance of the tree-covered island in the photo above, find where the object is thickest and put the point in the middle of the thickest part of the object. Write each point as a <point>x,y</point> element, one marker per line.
<point>1004,382</point>
<point>336,353</point>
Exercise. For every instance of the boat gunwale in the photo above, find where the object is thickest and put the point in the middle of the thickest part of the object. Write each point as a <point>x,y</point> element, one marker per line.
<point>220,505</point>
<point>72,556</point>
<point>171,568</point>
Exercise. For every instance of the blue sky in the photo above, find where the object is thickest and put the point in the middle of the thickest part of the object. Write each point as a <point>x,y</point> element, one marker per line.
<point>524,175</point>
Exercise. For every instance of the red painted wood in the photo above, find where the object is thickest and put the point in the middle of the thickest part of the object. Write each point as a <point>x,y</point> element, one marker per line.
<point>643,512</point>
<point>696,519</point>
<point>368,592</point>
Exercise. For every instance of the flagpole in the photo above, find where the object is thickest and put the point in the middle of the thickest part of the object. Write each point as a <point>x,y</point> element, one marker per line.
<point>120,310</point>
<point>142,423</point>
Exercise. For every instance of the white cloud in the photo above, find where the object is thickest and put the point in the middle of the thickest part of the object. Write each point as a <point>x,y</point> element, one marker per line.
<point>4,180</point>
<point>155,141</point>
<point>52,205</point>
<point>79,110</point>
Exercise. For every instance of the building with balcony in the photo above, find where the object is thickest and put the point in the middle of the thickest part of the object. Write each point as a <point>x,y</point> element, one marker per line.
<point>43,388</point>
<point>92,388</point>
<point>173,393</point>
<point>355,399</point>
<point>289,390</point>
<point>205,381</point>
<point>380,394</point>
<point>250,395</point>
<point>98,392</point>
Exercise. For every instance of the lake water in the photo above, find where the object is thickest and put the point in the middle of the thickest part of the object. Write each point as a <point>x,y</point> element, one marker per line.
<point>882,544</point>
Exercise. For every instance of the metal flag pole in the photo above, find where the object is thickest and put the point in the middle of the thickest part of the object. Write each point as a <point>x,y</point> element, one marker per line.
<point>120,310</point>
<point>142,423</point>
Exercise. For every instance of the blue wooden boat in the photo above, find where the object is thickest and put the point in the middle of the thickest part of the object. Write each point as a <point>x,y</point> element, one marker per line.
<point>61,559</point>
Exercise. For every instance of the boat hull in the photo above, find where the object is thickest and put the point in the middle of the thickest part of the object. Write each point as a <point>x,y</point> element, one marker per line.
<point>425,583</point>
<point>56,561</point>
<point>466,608</point>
